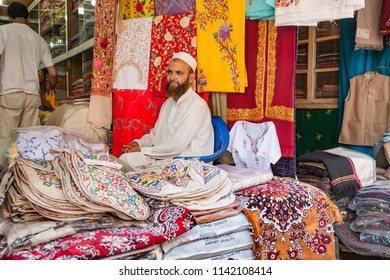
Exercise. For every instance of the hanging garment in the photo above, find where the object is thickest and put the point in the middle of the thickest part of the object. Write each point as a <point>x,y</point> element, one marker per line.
<point>366,110</point>
<point>254,145</point>
<point>260,9</point>
<point>132,54</point>
<point>100,108</point>
<point>137,8</point>
<point>367,29</point>
<point>309,12</point>
<point>221,49</point>
<point>168,7</point>
<point>135,113</point>
<point>384,28</point>
<point>170,34</point>
<point>270,60</point>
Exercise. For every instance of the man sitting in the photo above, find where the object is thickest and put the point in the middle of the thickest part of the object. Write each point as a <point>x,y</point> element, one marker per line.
<point>183,127</point>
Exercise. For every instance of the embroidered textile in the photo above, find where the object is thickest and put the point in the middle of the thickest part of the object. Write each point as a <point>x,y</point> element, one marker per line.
<point>291,220</point>
<point>254,146</point>
<point>166,223</point>
<point>167,7</point>
<point>170,34</point>
<point>132,54</point>
<point>221,56</point>
<point>308,12</point>
<point>100,109</point>
<point>191,183</point>
<point>137,8</point>
<point>270,61</point>
<point>135,113</point>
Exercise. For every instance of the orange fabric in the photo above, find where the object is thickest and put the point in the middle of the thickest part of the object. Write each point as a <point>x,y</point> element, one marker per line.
<point>291,220</point>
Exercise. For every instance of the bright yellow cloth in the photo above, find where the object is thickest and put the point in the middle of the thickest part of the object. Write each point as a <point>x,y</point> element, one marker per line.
<point>137,8</point>
<point>221,46</point>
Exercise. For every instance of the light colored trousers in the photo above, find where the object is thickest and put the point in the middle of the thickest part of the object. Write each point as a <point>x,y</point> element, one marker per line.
<point>18,109</point>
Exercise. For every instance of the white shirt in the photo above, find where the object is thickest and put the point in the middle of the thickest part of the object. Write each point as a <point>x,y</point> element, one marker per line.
<point>22,50</point>
<point>183,128</point>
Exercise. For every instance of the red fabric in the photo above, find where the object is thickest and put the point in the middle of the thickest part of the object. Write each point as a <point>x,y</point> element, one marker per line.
<point>270,64</point>
<point>384,28</point>
<point>166,224</point>
<point>135,113</point>
<point>170,34</point>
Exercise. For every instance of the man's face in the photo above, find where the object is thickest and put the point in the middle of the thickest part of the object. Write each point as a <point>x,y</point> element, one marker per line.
<point>179,78</point>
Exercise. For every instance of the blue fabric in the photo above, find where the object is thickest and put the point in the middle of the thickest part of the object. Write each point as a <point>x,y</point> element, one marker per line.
<point>356,62</point>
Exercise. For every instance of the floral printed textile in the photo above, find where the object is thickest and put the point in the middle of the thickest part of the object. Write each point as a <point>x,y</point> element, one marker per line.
<point>166,223</point>
<point>137,8</point>
<point>100,108</point>
<point>170,34</point>
<point>291,220</point>
<point>168,7</point>
<point>221,38</point>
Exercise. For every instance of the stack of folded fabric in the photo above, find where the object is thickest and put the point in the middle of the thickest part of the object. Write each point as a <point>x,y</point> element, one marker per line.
<point>227,238</point>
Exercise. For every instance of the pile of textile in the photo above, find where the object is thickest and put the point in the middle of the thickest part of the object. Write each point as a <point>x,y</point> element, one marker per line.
<point>372,207</point>
<point>339,172</point>
<point>367,232</point>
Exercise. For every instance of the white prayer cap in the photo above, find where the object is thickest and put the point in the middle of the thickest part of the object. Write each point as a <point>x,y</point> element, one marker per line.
<point>186,57</point>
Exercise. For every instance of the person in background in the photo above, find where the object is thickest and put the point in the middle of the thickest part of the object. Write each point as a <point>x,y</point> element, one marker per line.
<point>22,50</point>
<point>183,127</point>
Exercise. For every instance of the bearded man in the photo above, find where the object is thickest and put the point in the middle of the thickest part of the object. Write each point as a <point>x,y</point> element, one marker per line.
<point>183,127</point>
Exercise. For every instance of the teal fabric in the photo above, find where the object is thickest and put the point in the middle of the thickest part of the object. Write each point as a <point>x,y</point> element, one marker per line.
<point>260,9</point>
<point>356,62</point>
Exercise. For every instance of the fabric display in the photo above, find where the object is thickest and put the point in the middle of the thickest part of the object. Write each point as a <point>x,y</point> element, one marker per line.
<point>342,172</point>
<point>367,26</point>
<point>207,216</point>
<point>212,246</point>
<point>170,34</point>
<point>309,13</point>
<point>190,183</point>
<point>384,27</point>
<point>132,54</point>
<point>168,7</point>
<point>221,48</point>
<point>283,214</point>
<point>270,61</point>
<point>366,114</point>
<point>99,243</point>
<point>243,178</point>
<point>368,233</point>
<point>263,9</point>
<point>137,8</point>
<point>254,145</point>
<point>246,254</point>
<point>219,227</point>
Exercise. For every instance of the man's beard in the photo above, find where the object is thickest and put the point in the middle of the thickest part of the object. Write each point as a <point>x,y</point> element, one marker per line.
<point>177,91</point>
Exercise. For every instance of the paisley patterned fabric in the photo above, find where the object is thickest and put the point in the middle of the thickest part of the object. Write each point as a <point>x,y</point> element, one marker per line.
<point>165,224</point>
<point>170,34</point>
<point>291,220</point>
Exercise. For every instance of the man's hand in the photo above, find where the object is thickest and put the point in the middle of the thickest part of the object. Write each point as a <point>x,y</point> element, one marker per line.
<point>133,147</point>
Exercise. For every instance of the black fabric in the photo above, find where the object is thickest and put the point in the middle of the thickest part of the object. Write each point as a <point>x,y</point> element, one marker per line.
<point>341,171</point>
